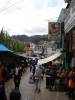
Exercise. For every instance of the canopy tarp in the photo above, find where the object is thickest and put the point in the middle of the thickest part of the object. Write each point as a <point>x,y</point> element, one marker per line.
<point>8,56</point>
<point>57,62</point>
<point>4,48</point>
<point>51,58</point>
<point>5,53</point>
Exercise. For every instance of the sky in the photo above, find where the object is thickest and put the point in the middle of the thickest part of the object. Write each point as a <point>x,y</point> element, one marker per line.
<point>29,17</point>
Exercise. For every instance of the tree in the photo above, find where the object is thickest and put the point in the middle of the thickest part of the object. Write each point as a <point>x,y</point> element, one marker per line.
<point>14,45</point>
<point>2,36</point>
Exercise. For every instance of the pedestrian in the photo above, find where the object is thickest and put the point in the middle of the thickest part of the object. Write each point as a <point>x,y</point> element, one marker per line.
<point>43,71</point>
<point>38,77</point>
<point>2,93</point>
<point>2,83</point>
<point>71,82</point>
<point>17,77</point>
<point>33,71</point>
<point>34,63</point>
<point>47,78</point>
<point>15,95</point>
<point>30,68</point>
<point>62,80</point>
<point>52,78</point>
<point>30,65</point>
<point>20,71</point>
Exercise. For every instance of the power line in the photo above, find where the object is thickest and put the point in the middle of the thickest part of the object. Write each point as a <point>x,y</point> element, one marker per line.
<point>5,4</point>
<point>14,4</point>
<point>4,9</point>
<point>20,8</point>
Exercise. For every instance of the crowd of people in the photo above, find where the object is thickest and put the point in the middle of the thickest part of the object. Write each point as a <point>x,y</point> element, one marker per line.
<point>37,73</point>
<point>16,76</point>
<point>58,79</point>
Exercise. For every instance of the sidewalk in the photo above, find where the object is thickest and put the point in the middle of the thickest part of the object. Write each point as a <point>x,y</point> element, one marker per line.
<point>28,90</point>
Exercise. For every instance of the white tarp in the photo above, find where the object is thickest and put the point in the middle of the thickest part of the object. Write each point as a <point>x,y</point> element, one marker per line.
<point>48,59</point>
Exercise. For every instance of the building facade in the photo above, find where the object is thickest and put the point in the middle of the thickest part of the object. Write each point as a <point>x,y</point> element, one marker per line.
<point>61,19</point>
<point>69,28</point>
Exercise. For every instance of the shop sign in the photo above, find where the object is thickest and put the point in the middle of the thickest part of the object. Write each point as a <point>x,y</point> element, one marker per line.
<point>54,30</point>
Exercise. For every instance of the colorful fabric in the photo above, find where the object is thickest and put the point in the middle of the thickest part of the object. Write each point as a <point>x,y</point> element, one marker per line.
<point>71,83</point>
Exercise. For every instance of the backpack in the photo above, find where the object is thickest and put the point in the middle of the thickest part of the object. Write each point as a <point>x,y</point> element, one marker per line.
<point>38,71</point>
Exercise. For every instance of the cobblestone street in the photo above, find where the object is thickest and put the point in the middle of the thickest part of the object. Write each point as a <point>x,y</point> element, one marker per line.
<point>37,49</point>
<point>28,90</point>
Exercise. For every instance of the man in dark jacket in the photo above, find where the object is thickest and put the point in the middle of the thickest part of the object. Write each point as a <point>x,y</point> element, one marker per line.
<point>2,80</point>
<point>15,95</point>
<point>17,77</point>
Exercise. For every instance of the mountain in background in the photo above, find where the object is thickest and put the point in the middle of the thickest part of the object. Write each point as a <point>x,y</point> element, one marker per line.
<point>35,39</point>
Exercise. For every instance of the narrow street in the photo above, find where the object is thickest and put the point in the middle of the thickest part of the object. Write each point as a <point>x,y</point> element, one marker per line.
<point>39,34</point>
<point>28,90</point>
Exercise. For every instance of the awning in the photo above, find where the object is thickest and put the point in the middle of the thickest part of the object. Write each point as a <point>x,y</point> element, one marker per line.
<point>4,48</point>
<point>5,53</point>
<point>51,58</point>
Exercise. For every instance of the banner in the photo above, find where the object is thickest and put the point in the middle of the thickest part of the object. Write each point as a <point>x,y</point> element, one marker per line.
<point>54,30</point>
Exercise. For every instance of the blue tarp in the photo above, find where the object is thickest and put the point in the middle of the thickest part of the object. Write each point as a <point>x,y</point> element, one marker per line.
<point>4,48</point>
<point>5,53</point>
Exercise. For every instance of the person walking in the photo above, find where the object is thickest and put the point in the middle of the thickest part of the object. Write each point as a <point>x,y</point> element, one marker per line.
<point>47,74</point>
<point>38,77</point>
<point>17,77</point>
<point>71,83</point>
<point>2,82</point>
<point>15,95</point>
<point>34,63</point>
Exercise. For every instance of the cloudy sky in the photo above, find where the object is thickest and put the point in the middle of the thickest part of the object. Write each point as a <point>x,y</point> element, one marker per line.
<point>28,17</point>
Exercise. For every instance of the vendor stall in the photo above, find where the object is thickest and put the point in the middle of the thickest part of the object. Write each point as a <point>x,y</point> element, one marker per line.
<point>49,59</point>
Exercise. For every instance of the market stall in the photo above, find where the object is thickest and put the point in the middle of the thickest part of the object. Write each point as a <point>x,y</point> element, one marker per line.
<point>50,58</point>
